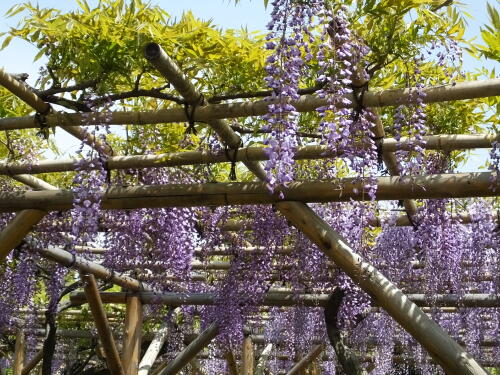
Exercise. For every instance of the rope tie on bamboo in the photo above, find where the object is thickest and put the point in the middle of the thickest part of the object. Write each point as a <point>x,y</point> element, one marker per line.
<point>190,110</point>
<point>41,121</point>
<point>358,94</point>
<point>233,158</point>
<point>73,260</point>
<point>111,276</point>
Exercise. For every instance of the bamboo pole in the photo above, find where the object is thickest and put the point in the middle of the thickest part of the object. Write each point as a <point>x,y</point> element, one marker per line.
<point>15,231</point>
<point>19,353</point>
<point>153,350</point>
<point>434,142</point>
<point>101,322</point>
<point>184,357</point>
<point>132,337</point>
<point>262,361</point>
<point>453,358</point>
<point>307,103</point>
<point>66,259</point>
<point>247,362</point>
<point>288,298</point>
<point>232,366</point>
<point>460,185</point>
<point>306,361</point>
<point>32,363</point>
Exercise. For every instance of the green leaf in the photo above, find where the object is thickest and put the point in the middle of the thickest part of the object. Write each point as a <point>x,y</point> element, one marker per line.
<point>6,42</point>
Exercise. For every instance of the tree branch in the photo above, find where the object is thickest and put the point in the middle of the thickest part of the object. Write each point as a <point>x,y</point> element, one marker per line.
<point>345,355</point>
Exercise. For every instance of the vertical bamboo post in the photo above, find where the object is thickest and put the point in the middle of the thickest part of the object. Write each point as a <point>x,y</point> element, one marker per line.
<point>19,352</point>
<point>247,356</point>
<point>102,325</point>
<point>132,336</point>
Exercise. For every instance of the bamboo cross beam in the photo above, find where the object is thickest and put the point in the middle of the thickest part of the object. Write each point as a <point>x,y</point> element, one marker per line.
<point>459,185</point>
<point>307,103</point>
<point>430,335</point>
<point>189,353</point>
<point>290,299</point>
<point>101,321</point>
<point>306,361</point>
<point>434,142</point>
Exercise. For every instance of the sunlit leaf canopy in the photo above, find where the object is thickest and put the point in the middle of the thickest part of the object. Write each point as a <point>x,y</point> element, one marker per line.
<point>100,51</point>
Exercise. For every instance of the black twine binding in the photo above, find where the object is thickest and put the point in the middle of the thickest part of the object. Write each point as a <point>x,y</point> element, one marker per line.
<point>190,114</point>
<point>108,280</point>
<point>73,260</point>
<point>233,159</point>
<point>41,121</point>
<point>358,99</point>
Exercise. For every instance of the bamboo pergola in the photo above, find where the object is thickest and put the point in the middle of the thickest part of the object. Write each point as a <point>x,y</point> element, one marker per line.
<point>31,206</point>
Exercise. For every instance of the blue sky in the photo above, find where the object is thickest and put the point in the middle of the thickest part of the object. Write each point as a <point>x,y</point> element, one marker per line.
<point>18,57</point>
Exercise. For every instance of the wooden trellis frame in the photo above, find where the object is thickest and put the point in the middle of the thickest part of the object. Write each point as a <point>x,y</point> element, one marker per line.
<point>439,345</point>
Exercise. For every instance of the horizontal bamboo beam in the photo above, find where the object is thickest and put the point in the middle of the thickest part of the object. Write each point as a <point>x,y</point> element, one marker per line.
<point>433,142</point>
<point>307,103</point>
<point>291,299</point>
<point>460,185</point>
<point>190,352</point>
<point>66,259</point>
<point>101,322</point>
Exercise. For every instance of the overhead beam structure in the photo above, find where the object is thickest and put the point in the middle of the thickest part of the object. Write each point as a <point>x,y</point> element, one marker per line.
<point>452,357</point>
